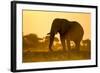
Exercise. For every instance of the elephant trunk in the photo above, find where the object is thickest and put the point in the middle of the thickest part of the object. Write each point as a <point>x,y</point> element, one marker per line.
<point>51,40</point>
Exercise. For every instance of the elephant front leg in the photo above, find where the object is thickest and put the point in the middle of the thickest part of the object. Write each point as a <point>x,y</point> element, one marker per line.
<point>62,38</point>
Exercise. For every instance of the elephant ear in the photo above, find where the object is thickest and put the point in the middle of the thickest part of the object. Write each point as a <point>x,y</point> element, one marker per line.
<point>66,26</point>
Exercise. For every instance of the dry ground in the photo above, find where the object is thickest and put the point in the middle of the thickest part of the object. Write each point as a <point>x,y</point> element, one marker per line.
<point>59,55</point>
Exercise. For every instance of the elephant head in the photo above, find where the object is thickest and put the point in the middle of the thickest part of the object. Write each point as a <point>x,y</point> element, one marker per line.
<point>68,30</point>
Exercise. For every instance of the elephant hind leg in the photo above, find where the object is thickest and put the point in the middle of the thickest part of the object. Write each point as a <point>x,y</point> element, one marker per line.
<point>77,47</point>
<point>68,45</point>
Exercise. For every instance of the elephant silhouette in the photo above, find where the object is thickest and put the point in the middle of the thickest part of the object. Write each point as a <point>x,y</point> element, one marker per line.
<point>68,30</point>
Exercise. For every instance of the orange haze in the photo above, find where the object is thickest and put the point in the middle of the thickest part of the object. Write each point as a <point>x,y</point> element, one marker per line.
<point>39,22</point>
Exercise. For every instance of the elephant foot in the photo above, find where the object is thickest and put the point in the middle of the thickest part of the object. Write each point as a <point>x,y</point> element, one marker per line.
<point>78,50</point>
<point>69,55</point>
<point>51,50</point>
<point>65,50</point>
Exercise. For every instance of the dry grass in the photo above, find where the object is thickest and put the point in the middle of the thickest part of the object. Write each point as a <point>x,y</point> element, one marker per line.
<point>58,55</point>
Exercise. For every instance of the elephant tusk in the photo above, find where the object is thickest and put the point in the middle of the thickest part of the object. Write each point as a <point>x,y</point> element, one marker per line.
<point>48,33</point>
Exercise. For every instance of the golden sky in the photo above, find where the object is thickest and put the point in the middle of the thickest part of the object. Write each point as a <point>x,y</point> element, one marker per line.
<point>39,22</point>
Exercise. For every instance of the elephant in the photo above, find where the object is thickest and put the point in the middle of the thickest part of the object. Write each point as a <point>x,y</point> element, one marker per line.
<point>68,30</point>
